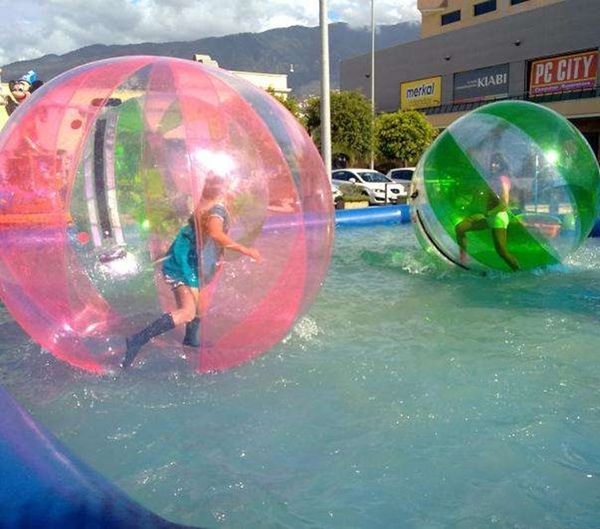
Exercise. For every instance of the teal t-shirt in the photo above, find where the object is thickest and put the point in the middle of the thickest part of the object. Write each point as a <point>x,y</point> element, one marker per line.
<point>191,263</point>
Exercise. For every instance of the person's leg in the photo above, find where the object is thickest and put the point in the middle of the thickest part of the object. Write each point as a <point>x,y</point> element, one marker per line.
<point>186,299</point>
<point>192,327</point>
<point>473,223</point>
<point>137,341</point>
<point>500,239</point>
<point>185,312</point>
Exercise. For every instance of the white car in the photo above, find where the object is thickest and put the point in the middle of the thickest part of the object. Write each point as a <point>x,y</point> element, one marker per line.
<point>402,175</point>
<point>380,188</point>
<point>338,197</point>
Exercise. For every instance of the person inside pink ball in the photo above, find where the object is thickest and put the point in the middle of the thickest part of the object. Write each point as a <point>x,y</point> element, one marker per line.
<point>188,268</point>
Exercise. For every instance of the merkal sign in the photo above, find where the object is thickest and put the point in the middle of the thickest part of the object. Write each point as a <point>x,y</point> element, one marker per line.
<point>420,91</point>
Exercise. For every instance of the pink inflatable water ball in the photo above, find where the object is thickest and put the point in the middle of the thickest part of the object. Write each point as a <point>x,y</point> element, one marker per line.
<point>102,167</point>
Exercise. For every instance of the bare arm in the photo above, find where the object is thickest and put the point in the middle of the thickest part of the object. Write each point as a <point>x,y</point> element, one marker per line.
<point>214,228</point>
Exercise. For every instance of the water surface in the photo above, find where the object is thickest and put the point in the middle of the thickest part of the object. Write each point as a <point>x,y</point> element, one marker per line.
<point>409,396</point>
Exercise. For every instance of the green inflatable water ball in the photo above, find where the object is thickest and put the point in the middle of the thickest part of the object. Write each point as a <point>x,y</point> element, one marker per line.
<point>510,186</point>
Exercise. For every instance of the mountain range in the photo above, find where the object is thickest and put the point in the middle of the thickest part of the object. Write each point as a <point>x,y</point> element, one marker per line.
<point>295,51</point>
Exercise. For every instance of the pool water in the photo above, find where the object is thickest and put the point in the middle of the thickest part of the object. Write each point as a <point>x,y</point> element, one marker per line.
<point>409,396</point>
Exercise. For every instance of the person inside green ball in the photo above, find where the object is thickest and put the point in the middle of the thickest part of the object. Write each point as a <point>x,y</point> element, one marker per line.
<point>189,266</point>
<point>496,217</point>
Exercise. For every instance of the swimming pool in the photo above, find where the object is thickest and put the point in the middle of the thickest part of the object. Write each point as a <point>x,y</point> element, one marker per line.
<point>409,396</point>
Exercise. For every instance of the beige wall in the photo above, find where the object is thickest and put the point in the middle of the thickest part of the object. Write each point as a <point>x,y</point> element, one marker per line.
<point>122,94</point>
<point>3,114</point>
<point>278,82</point>
<point>275,81</point>
<point>432,11</point>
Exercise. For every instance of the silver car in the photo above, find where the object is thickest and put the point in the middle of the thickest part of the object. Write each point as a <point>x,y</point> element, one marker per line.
<point>402,175</point>
<point>380,188</point>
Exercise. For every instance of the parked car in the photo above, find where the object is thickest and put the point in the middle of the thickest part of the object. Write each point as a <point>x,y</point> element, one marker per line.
<point>338,197</point>
<point>401,175</point>
<point>376,185</point>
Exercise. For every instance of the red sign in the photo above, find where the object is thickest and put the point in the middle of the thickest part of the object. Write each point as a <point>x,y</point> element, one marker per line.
<point>567,72</point>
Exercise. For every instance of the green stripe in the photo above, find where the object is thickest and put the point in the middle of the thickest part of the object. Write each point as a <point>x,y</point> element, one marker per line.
<point>456,190</point>
<point>576,161</point>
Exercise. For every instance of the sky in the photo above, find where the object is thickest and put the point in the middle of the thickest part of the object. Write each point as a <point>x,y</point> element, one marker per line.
<point>32,28</point>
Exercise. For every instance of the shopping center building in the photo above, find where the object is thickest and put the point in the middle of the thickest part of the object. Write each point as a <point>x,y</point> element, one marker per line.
<point>475,51</point>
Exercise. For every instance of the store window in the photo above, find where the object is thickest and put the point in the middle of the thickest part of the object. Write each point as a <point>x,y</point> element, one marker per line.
<point>484,7</point>
<point>450,18</point>
<point>517,2</point>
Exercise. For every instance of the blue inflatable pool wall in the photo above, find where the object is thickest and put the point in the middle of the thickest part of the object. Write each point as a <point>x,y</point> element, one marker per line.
<point>348,218</point>
<point>42,486</point>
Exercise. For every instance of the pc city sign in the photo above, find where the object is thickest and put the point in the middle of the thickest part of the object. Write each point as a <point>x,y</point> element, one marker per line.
<point>577,71</point>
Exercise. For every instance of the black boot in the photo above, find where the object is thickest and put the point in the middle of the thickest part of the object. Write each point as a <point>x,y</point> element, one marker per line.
<point>192,333</point>
<point>135,342</point>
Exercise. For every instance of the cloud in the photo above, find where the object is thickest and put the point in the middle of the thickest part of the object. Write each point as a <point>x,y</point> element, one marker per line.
<point>32,28</point>
<point>358,13</point>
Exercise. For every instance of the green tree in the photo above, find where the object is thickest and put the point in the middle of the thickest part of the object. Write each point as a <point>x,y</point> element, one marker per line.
<point>289,102</point>
<point>351,124</point>
<point>403,136</point>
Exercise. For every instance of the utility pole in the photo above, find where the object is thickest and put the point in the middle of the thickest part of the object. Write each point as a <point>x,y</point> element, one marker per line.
<point>325,91</point>
<point>372,82</point>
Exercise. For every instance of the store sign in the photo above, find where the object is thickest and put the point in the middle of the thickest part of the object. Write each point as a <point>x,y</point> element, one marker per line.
<point>481,84</point>
<point>421,94</point>
<point>577,71</point>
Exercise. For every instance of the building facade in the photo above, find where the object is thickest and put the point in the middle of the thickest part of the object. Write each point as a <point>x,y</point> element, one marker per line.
<point>543,51</point>
<point>267,81</point>
<point>440,16</point>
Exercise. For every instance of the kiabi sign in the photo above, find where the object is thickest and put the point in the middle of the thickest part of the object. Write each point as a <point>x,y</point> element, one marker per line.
<point>481,84</point>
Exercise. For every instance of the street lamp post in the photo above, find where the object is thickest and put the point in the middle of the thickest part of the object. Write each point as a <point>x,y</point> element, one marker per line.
<point>325,91</point>
<point>372,82</point>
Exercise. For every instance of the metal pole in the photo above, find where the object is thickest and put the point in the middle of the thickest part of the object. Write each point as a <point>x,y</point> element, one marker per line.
<point>372,82</point>
<point>325,91</point>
